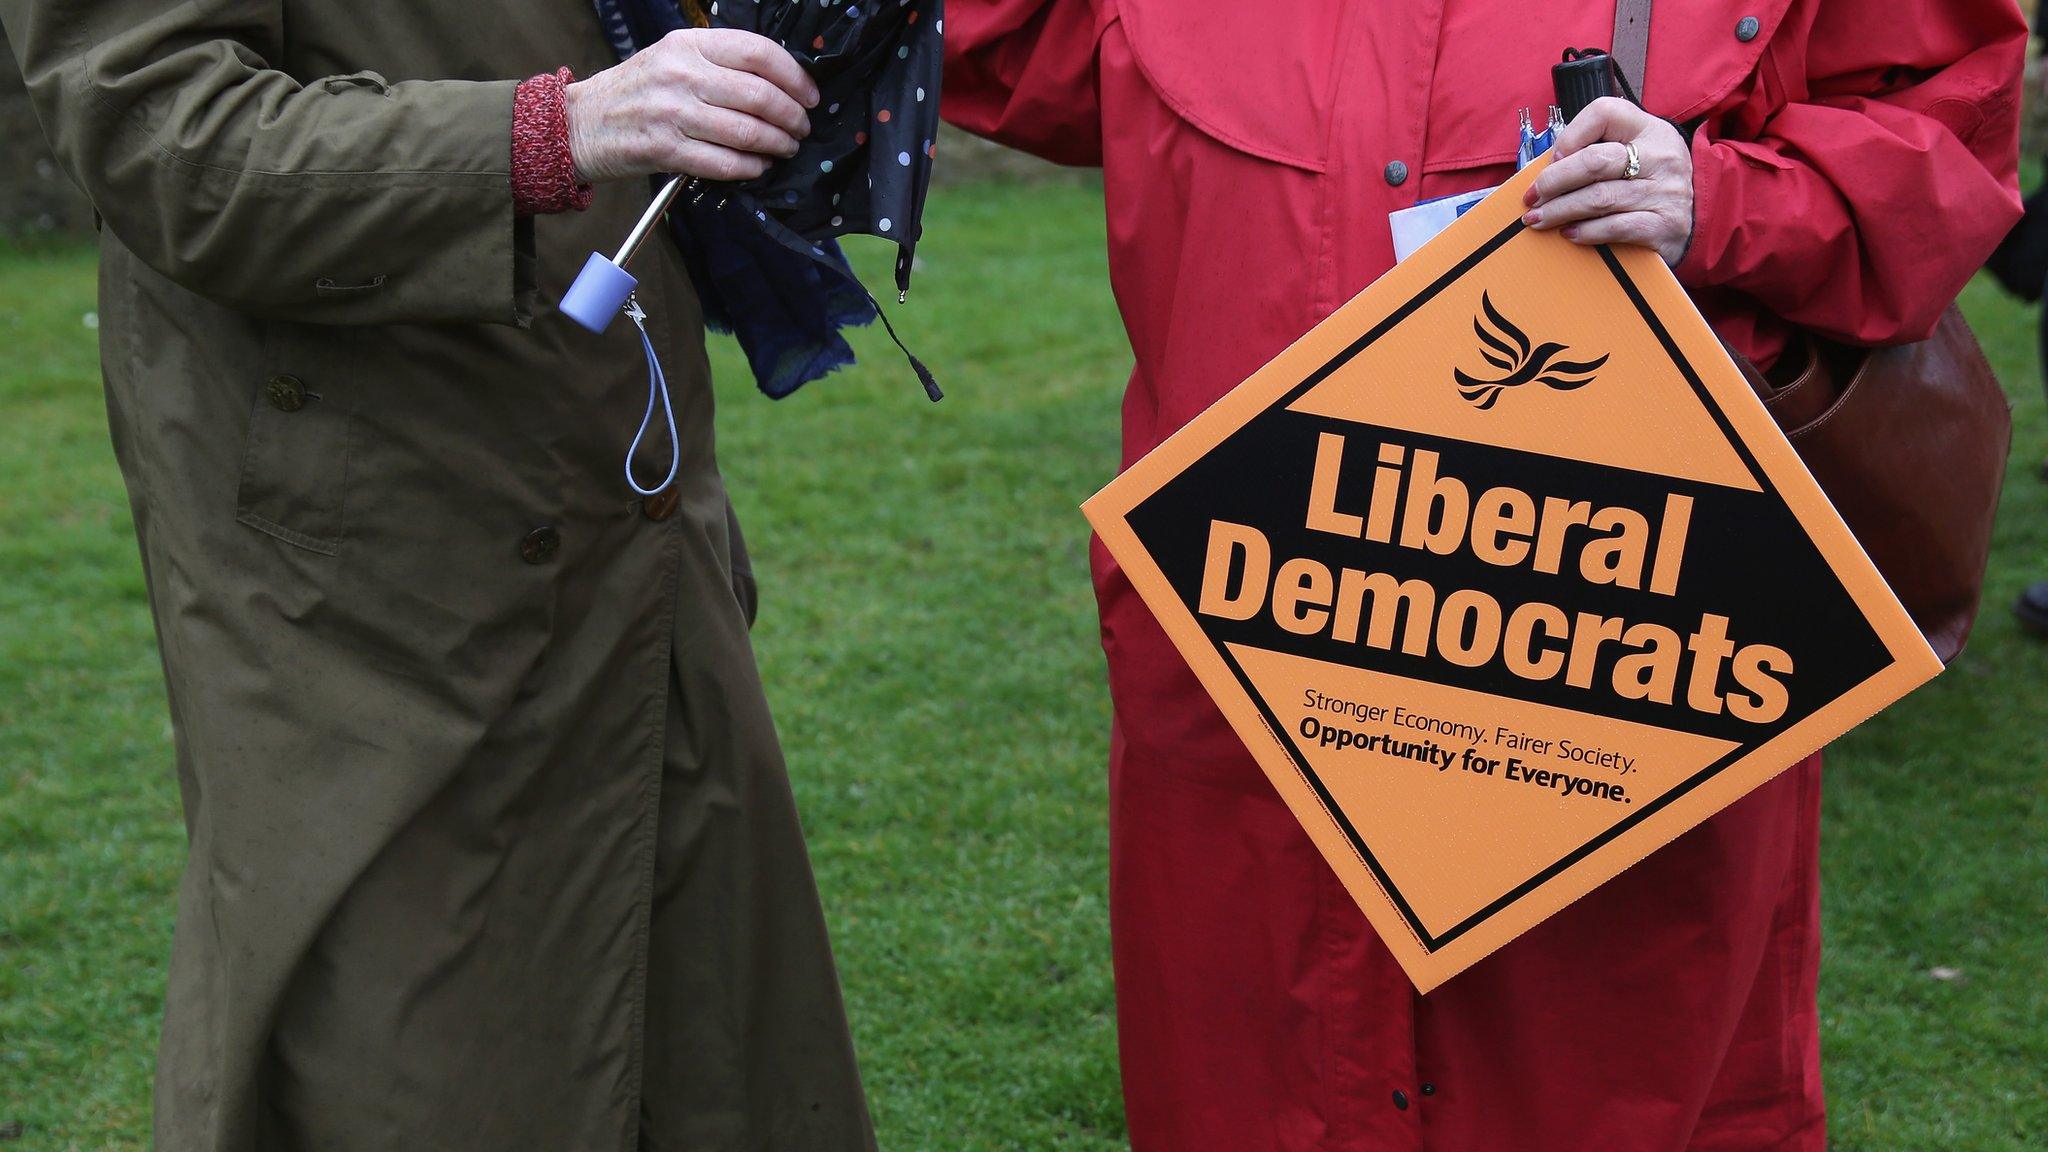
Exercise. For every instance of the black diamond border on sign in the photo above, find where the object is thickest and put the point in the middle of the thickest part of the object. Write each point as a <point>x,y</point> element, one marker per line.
<point>1433,942</point>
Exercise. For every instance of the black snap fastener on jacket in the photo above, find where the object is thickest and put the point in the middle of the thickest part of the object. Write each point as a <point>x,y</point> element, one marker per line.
<point>286,393</point>
<point>1396,173</point>
<point>1400,1100</point>
<point>661,505</point>
<point>1747,28</point>
<point>540,545</point>
<point>1428,1089</point>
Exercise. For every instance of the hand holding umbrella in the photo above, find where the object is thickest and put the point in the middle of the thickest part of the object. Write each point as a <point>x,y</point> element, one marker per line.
<point>873,64</point>
<point>714,103</point>
<point>769,271</point>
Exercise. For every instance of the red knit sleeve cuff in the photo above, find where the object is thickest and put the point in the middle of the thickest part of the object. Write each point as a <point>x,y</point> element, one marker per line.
<point>543,172</point>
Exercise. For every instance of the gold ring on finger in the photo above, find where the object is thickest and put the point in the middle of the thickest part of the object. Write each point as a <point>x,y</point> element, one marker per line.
<point>1634,167</point>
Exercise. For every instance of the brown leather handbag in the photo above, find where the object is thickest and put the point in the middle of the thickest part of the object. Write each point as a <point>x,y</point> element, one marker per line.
<point>1909,442</point>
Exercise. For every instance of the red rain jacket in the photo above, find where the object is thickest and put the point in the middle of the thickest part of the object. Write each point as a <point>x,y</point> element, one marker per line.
<point>1855,164</point>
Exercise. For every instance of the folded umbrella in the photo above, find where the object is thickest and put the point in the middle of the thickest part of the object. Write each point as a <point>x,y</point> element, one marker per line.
<point>763,253</point>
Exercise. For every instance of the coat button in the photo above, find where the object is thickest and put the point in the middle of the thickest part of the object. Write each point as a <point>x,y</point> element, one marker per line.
<point>661,505</point>
<point>286,393</point>
<point>1400,1100</point>
<point>1428,1089</point>
<point>1396,173</point>
<point>540,545</point>
<point>1747,28</point>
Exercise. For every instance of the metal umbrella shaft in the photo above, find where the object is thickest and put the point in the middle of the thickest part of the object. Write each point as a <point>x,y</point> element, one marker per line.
<point>655,211</point>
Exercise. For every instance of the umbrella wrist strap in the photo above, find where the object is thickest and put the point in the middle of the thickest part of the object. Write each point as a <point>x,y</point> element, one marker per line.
<point>657,392</point>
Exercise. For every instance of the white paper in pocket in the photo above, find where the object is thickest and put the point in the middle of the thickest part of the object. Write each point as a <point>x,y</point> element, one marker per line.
<point>1413,227</point>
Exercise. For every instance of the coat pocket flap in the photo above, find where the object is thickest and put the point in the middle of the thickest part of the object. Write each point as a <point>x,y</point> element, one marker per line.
<point>1258,80</point>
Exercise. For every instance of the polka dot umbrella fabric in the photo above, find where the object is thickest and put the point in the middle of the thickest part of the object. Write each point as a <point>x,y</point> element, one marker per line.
<point>868,160</point>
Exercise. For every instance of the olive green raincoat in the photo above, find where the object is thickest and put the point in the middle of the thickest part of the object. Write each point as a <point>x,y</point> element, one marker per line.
<point>491,843</point>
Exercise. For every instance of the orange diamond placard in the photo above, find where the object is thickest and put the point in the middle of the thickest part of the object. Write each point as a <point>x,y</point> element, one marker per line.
<point>1506,578</point>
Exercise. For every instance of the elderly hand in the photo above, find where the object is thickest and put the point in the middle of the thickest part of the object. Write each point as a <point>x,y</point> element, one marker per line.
<point>712,102</point>
<point>1587,192</point>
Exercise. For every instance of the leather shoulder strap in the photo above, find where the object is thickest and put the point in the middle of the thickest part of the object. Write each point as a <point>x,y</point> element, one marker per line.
<point>1631,49</point>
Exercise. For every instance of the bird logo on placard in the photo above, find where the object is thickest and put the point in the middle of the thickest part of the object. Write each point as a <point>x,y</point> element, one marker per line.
<point>1507,348</point>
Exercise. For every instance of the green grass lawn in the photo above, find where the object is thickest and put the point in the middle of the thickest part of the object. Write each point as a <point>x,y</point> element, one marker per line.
<point>929,643</point>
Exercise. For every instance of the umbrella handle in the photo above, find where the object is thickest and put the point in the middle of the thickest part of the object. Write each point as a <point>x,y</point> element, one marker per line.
<point>603,286</point>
